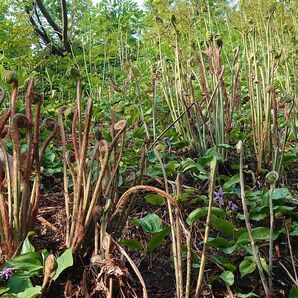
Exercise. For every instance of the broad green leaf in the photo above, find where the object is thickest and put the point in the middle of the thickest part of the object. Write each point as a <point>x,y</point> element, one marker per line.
<point>284,209</point>
<point>247,266</point>
<point>281,193</point>
<point>225,262</point>
<point>257,216</point>
<point>158,239</point>
<point>63,262</point>
<point>259,234</point>
<point>217,242</point>
<point>29,263</point>
<point>151,223</point>
<point>204,160</point>
<point>293,292</point>
<point>229,250</point>
<point>31,292</point>
<point>133,244</point>
<point>19,283</point>
<point>222,225</point>
<point>27,246</point>
<point>154,199</point>
<point>231,182</point>
<point>202,211</point>
<point>228,278</point>
<point>189,164</point>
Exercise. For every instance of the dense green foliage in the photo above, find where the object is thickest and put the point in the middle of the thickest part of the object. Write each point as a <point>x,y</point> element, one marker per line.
<point>191,79</point>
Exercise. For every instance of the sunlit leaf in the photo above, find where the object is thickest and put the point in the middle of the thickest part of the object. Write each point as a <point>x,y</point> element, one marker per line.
<point>151,223</point>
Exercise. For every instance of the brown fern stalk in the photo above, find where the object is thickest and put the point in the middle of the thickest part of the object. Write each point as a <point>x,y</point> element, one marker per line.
<point>18,121</point>
<point>80,176</point>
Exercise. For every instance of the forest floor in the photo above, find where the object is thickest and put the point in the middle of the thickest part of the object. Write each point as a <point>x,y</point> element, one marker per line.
<point>156,268</point>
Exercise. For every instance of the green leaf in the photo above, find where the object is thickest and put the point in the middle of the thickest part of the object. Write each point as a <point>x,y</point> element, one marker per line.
<point>3,290</point>
<point>31,292</point>
<point>228,278</point>
<point>247,266</point>
<point>189,164</point>
<point>30,263</point>
<point>44,255</point>
<point>151,156</point>
<point>19,283</point>
<point>257,216</point>
<point>284,209</point>
<point>158,239</point>
<point>242,295</point>
<point>294,229</point>
<point>27,246</point>
<point>264,265</point>
<point>154,199</point>
<point>281,193</point>
<point>63,262</point>
<point>225,262</point>
<point>151,223</point>
<point>224,146</point>
<point>231,182</point>
<point>133,244</point>
<point>259,234</point>
<point>222,225</point>
<point>202,211</point>
<point>229,250</point>
<point>293,292</point>
<point>217,242</point>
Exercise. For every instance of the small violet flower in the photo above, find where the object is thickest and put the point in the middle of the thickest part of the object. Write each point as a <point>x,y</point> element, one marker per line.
<point>231,206</point>
<point>6,272</point>
<point>219,197</point>
<point>168,143</point>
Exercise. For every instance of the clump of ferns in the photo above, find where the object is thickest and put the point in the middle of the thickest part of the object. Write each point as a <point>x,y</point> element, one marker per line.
<point>95,210</point>
<point>92,168</point>
<point>20,176</point>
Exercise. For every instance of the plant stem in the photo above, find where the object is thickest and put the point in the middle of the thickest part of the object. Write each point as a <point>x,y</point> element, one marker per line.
<point>213,167</point>
<point>247,223</point>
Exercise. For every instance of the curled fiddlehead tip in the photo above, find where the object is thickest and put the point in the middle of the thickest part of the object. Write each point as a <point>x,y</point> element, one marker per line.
<point>62,109</point>
<point>97,133</point>
<point>70,156</point>
<point>269,88</point>
<point>74,73</point>
<point>5,131</point>
<point>272,177</point>
<point>103,146</point>
<point>239,146</point>
<point>36,98</point>
<point>50,124</point>
<point>218,41</point>
<point>10,77</point>
<point>120,125</point>
<point>21,121</point>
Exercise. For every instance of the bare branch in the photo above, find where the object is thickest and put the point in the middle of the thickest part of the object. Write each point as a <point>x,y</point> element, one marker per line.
<point>64,23</point>
<point>48,17</point>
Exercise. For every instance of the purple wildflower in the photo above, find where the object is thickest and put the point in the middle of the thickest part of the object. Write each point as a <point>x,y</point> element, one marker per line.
<point>219,197</point>
<point>168,143</point>
<point>231,206</point>
<point>6,272</point>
